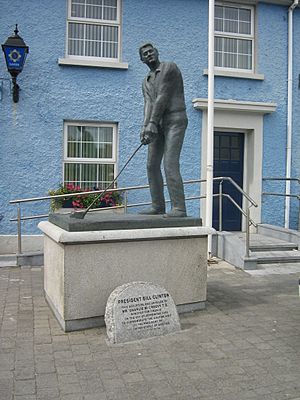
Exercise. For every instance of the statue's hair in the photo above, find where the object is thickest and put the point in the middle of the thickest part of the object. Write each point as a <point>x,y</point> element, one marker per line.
<point>145,45</point>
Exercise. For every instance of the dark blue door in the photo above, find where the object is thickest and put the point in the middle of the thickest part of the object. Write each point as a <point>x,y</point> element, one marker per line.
<point>228,161</point>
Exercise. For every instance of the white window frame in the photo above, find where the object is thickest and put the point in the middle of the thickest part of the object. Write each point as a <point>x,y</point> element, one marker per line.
<point>239,36</point>
<point>97,161</point>
<point>90,60</point>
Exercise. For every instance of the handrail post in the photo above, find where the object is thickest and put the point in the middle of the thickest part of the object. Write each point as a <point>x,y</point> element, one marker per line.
<point>298,213</point>
<point>19,230</point>
<point>125,201</point>
<point>220,206</point>
<point>248,232</point>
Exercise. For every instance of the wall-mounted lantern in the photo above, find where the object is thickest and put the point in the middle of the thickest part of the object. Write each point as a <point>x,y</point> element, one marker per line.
<point>15,51</point>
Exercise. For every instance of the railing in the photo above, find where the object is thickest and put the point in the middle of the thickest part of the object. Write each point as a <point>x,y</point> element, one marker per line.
<point>295,196</point>
<point>125,191</point>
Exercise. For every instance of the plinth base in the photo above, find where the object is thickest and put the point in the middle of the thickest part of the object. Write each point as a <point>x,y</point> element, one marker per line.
<point>81,269</point>
<point>99,221</point>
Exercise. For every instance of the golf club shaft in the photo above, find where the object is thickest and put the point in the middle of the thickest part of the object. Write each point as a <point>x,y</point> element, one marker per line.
<point>112,183</point>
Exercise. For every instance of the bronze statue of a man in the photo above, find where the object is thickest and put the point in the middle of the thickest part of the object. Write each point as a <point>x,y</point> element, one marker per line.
<point>164,126</point>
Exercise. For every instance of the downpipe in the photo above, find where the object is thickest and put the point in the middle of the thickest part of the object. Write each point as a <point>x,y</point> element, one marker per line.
<point>289,115</point>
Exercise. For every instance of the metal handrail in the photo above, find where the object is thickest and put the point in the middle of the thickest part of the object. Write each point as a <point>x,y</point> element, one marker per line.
<point>296,196</point>
<point>126,205</point>
<point>281,179</point>
<point>129,188</point>
<point>228,178</point>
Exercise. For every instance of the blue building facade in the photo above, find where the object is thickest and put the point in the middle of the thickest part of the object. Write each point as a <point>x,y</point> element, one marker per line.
<point>83,72</point>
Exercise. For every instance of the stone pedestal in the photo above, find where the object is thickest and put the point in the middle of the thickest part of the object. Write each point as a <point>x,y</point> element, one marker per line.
<point>81,269</point>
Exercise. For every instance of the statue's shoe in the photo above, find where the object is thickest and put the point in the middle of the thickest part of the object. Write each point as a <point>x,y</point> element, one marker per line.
<point>152,211</point>
<point>174,213</point>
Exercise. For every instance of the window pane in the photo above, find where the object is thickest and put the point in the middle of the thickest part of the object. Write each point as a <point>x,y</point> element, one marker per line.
<point>89,150</point>
<point>235,154</point>
<point>233,53</point>
<point>91,144</point>
<point>231,26</point>
<point>230,60</point>
<point>233,20</point>
<point>93,40</point>
<point>90,133</point>
<point>94,9</point>
<point>106,174</point>
<point>77,10</point>
<point>218,12</point>
<point>110,41</point>
<point>231,13</point>
<point>245,46</point>
<point>72,173</point>
<point>230,45</point>
<point>110,10</point>
<point>225,141</point>
<point>245,15</point>
<point>105,150</point>
<point>235,142</point>
<point>224,154</point>
<point>244,62</point>
<point>245,28</point>
<point>106,134</point>
<point>74,132</point>
<point>74,149</point>
<point>89,175</point>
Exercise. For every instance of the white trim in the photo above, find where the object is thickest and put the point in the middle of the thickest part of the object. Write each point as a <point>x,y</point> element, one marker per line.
<point>236,73</point>
<point>114,63</point>
<point>254,2</point>
<point>237,105</point>
<point>104,21</point>
<point>86,62</point>
<point>232,35</point>
<point>247,118</point>
<point>73,160</point>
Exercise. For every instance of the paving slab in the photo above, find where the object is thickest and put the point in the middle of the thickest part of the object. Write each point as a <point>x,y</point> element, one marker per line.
<point>244,345</point>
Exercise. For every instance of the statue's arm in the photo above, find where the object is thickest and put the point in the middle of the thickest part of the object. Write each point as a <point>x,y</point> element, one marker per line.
<point>165,90</point>
<point>147,113</point>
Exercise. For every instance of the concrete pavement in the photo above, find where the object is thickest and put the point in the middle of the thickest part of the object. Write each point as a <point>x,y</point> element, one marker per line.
<point>245,345</point>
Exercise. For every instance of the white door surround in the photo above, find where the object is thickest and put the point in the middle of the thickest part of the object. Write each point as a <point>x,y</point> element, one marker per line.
<point>245,117</point>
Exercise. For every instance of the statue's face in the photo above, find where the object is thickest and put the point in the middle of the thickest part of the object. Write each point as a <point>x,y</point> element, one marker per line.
<point>149,55</point>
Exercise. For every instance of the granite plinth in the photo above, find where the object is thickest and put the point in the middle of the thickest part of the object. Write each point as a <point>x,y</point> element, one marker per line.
<point>103,222</point>
<point>81,269</point>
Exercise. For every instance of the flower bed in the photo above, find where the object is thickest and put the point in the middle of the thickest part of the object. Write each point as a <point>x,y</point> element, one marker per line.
<point>110,199</point>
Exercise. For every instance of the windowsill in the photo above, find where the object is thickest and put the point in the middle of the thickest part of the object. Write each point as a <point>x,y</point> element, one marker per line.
<point>236,74</point>
<point>92,63</point>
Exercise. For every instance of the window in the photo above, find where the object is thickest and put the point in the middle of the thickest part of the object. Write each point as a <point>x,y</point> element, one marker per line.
<point>93,29</point>
<point>234,37</point>
<point>89,154</point>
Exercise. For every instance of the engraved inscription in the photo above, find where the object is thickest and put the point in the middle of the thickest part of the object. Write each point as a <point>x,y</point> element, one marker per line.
<point>138,310</point>
<point>146,312</point>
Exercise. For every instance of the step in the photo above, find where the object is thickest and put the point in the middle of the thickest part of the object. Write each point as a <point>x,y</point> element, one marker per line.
<point>275,269</point>
<point>33,259</point>
<point>8,260</point>
<point>273,247</point>
<point>270,257</point>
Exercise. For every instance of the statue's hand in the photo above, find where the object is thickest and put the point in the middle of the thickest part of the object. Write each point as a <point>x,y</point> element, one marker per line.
<point>142,136</point>
<point>149,133</point>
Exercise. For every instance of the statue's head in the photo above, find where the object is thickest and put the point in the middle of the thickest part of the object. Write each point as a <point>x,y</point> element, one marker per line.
<point>148,53</point>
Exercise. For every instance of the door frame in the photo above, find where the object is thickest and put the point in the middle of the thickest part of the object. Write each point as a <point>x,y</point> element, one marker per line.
<point>242,150</point>
<point>245,117</point>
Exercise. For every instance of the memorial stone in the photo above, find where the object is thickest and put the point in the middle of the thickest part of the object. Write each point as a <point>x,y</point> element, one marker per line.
<point>139,310</point>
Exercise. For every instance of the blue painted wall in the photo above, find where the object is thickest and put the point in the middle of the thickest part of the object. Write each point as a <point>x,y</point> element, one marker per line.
<point>31,149</point>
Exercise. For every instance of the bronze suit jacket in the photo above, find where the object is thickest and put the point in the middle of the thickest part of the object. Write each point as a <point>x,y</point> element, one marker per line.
<point>163,92</point>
